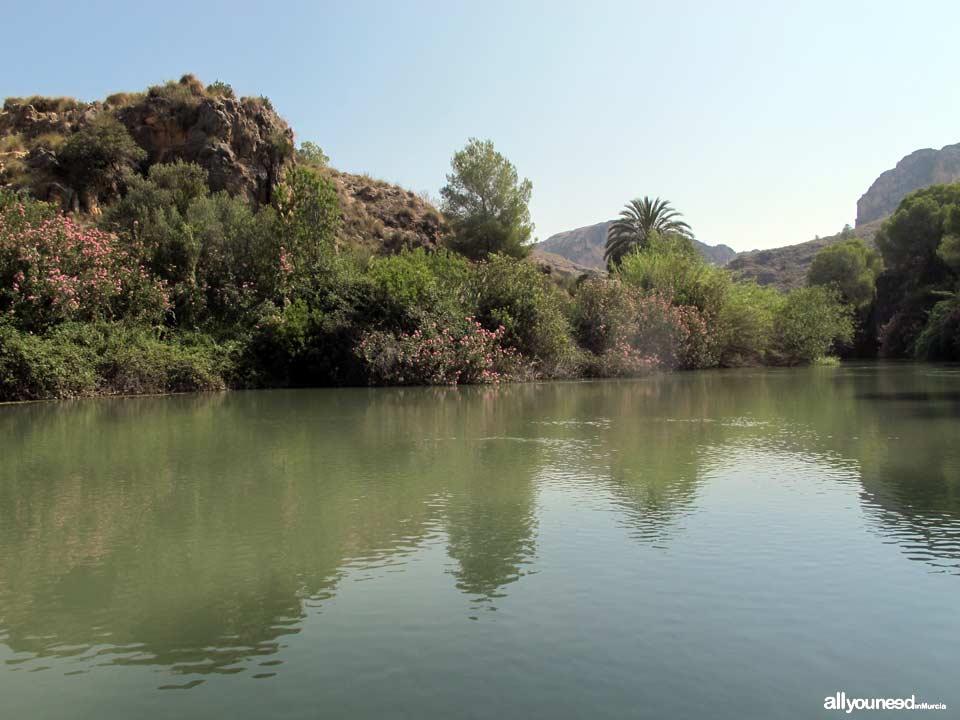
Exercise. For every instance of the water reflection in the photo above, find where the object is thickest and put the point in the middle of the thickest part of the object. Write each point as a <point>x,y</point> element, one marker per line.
<point>198,533</point>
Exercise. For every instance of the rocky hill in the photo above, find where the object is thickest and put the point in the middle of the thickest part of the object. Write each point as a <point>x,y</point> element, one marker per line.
<point>584,246</point>
<point>786,267</point>
<point>917,170</point>
<point>383,217</point>
<point>242,143</point>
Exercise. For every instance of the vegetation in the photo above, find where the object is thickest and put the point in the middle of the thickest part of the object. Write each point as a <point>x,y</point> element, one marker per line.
<point>851,268</point>
<point>917,302</point>
<point>176,287</point>
<point>486,203</point>
<point>639,221</point>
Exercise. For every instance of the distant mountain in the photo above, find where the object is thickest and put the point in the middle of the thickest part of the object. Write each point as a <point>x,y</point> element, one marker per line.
<point>786,267</point>
<point>917,170</point>
<point>584,246</point>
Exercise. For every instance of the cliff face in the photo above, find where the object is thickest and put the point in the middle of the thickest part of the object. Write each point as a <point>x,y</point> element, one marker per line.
<point>584,246</point>
<point>242,143</point>
<point>917,170</point>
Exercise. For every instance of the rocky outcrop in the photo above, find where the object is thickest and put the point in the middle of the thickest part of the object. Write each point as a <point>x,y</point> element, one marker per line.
<point>241,142</point>
<point>584,246</point>
<point>917,170</point>
<point>385,218</point>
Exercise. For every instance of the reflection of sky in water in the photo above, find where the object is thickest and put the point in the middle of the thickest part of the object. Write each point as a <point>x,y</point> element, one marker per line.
<point>656,536</point>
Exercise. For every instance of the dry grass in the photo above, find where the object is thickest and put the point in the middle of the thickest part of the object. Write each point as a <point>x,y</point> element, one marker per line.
<point>45,104</point>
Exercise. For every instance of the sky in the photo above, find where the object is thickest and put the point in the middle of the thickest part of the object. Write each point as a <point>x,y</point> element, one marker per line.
<point>762,122</point>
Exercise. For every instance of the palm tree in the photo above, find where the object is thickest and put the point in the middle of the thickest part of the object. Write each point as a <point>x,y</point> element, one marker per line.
<point>638,220</point>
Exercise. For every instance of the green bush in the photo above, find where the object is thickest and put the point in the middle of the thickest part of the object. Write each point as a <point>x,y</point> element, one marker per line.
<point>851,268</point>
<point>99,155</point>
<point>423,283</point>
<point>603,315</point>
<point>940,339</point>
<point>515,294</point>
<point>39,368</point>
<point>807,324</point>
<point>672,268</point>
<point>744,324</point>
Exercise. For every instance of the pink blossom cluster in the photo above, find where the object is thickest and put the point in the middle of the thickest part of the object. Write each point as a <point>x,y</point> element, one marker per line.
<point>54,270</point>
<point>677,334</point>
<point>438,355</point>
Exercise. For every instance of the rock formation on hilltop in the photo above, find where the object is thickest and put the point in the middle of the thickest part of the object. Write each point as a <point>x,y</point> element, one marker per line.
<point>241,142</point>
<point>917,170</point>
<point>584,246</point>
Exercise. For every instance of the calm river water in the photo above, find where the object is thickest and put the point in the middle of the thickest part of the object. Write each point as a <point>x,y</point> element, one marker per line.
<point>701,545</point>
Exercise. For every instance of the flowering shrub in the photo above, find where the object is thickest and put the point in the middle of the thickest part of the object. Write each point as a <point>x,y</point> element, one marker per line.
<point>677,335</point>
<point>436,355</point>
<point>53,270</point>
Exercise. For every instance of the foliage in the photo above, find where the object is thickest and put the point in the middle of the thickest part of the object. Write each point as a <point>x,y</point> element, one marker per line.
<point>486,203</point>
<point>106,358</point>
<point>672,267</point>
<point>309,214</point>
<point>219,258</point>
<point>676,335</point>
<point>218,89</point>
<point>638,221</point>
<point>922,255</point>
<point>807,324</point>
<point>431,283</point>
<point>603,315</point>
<point>744,323</point>
<point>99,155</point>
<point>188,91</point>
<point>311,154</point>
<point>54,270</point>
<point>851,268</point>
<point>439,354</point>
<point>521,299</point>
<point>940,338</point>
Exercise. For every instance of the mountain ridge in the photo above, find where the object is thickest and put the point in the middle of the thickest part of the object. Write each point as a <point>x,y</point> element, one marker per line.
<point>584,246</point>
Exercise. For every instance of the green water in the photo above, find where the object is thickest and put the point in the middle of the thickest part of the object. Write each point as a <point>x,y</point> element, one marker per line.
<point>702,545</point>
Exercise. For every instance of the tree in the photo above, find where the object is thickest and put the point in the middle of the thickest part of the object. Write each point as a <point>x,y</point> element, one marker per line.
<point>96,157</point>
<point>850,267</point>
<point>486,203</point>
<point>638,220</point>
<point>312,154</point>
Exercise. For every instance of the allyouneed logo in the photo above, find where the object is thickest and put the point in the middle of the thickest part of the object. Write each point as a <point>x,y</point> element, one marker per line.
<point>841,702</point>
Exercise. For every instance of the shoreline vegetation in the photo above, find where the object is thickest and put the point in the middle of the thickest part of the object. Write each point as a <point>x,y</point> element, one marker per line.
<point>146,277</point>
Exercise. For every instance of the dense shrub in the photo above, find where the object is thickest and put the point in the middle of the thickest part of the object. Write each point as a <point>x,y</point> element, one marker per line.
<point>676,335</point>
<point>940,338</point>
<point>672,268</point>
<point>439,354</point>
<point>422,282</point>
<point>106,358</point>
<point>517,296</point>
<point>99,155</point>
<point>36,368</point>
<point>55,270</point>
<point>807,324</point>
<point>744,324</point>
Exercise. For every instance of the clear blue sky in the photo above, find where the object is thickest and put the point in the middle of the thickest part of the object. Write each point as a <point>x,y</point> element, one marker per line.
<point>762,121</point>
